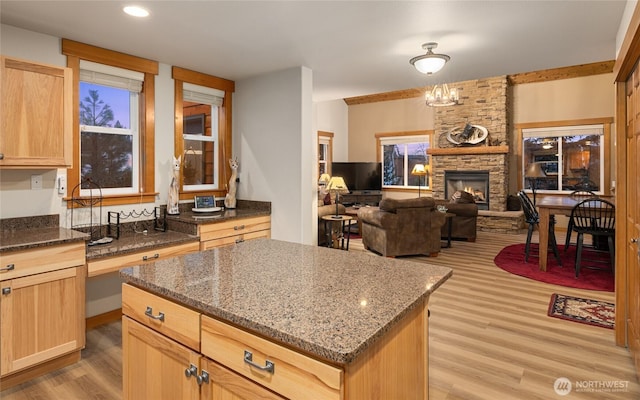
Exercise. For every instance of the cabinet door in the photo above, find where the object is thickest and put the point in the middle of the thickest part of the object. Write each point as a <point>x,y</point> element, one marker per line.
<point>154,366</point>
<point>42,317</point>
<point>36,115</point>
<point>227,385</point>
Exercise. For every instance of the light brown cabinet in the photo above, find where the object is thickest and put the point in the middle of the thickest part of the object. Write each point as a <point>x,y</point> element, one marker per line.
<point>228,363</point>
<point>36,114</point>
<point>42,304</point>
<point>234,231</point>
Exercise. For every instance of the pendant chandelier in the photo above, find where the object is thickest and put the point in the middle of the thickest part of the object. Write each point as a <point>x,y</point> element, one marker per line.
<point>441,96</point>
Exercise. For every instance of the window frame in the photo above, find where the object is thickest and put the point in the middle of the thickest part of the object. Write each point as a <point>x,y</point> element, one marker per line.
<point>75,51</point>
<point>605,184</point>
<point>406,138</point>
<point>225,151</point>
<point>325,139</point>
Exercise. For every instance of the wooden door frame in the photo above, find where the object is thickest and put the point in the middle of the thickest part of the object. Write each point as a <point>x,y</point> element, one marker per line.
<point>623,67</point>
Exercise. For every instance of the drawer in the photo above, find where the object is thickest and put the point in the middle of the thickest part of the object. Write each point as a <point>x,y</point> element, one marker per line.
<point>164,316</point>
<point>110,264</point>
<point>210,244</point>
<point>294,375</point>
<point>16,264</point>
<point>234,227</point>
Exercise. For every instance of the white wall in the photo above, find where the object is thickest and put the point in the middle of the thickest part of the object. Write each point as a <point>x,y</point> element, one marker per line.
<point>333,116</point>
<point>274,139</point>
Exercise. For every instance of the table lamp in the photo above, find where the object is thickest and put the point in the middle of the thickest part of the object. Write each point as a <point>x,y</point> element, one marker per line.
<point>420,170</point>
<point>324,179</point>
<point>336,184</point>
<point>534,171</point>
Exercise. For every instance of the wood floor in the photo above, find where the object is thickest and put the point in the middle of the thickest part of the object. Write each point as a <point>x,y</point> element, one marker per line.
<point>490,338</point>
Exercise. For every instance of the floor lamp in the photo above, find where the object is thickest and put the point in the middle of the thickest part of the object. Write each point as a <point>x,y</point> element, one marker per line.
<point>534,171</point>
<point>420,170</point>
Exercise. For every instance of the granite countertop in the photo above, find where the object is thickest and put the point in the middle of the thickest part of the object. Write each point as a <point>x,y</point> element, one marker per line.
<point>215,217</point>
<point>133,242</point>
<point>327,302</point>
<point>24,239</point>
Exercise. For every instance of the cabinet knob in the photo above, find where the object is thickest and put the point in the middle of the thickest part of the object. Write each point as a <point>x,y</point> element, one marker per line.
<point>191,371</point>
<point>203,378</point>
<point>1,156</point>
<point>634,240</point>
<point>6,290</point>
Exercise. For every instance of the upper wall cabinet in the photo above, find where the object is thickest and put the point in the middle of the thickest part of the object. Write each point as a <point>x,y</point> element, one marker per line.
<point>36,115</point>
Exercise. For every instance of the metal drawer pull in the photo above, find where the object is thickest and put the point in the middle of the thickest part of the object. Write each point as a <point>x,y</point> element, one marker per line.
<point>269,366</point>
<point>191,371</point>
<point>202,378</point>
<point>145,258</point>
<point>240,240</point>
<point>149,313</point>
<point>9,267</point>
<point>238,227</point>
<point>6,290</point>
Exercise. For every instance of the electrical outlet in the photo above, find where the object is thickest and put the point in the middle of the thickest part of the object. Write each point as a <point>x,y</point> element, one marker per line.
<point>62,184</point>
<point>36,182</point>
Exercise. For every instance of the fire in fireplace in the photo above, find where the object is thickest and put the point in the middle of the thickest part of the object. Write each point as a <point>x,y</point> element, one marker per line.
<point>474,182</point>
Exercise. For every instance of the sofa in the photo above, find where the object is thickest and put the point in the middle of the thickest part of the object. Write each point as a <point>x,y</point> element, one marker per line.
<point>400,227</point>
<point>463,224</point>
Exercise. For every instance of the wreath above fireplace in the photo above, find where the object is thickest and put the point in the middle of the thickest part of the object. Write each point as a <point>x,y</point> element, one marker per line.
<point>470,135</point>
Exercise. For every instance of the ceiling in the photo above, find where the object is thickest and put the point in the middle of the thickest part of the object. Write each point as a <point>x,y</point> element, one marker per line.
<point>354,48</point>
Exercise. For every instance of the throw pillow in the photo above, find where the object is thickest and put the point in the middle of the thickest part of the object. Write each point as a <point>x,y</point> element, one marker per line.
<point>327,199</point>
<point>462,197</point>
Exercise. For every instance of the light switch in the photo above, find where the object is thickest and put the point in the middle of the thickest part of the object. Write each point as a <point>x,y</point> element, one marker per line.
<point>36,182</point>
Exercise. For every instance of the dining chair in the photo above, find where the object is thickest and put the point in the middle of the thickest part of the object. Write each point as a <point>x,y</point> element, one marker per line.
<point>577,195</point>
<point>595,217</point>
<point>532,218</point>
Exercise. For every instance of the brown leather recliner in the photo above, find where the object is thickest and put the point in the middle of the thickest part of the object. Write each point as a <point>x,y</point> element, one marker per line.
<point>464,223</point>
<point>402,227</point>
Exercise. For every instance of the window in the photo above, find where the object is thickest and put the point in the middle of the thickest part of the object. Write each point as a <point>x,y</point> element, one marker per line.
<point>200,108</point>
<point>202,134</point>
<point>325,142</point>
<point>114,126</point>
<point>571,157</point>
<point>109,128</point>
<point>400,153</point>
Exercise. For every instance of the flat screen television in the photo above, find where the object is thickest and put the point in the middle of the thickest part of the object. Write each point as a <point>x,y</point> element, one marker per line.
<point>359,176</point>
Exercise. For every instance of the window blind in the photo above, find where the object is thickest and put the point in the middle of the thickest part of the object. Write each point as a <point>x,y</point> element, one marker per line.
<point>107,75</point>
<point>202,94</point>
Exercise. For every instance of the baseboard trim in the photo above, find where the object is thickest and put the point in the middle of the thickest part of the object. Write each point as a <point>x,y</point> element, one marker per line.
<point>104,318</point>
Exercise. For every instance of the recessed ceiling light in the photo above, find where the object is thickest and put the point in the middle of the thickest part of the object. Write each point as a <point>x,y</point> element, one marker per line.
<point>136,11</point>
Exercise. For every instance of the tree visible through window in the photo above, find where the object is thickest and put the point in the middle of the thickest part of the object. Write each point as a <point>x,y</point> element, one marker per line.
<point>108,135</point>
<point>399,155</point>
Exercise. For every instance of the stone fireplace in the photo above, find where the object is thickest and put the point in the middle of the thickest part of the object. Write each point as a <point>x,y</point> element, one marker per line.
<point>482,102</point>
<point>474,182</point>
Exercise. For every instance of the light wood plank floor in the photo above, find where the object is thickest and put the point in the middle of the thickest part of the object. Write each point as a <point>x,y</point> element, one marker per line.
<point>490,338</point>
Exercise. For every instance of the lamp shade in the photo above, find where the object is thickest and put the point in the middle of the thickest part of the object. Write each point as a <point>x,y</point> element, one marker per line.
<point>429,63</point>
<point>419,170</point>
<point>534,170</point>
<point>324,179</point>
<point>336,184</point>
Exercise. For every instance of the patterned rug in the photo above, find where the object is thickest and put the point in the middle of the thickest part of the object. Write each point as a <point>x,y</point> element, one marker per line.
<point>585,311</point>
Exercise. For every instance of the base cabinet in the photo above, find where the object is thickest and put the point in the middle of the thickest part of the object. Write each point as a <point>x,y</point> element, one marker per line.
<point>42,311</point>
<point>234,231</point>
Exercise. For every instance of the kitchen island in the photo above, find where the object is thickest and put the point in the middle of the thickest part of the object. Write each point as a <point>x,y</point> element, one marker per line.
<point>279,320</point>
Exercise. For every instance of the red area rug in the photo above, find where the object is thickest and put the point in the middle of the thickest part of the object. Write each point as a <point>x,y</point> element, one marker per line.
<point>511,259</point>
<point>585,311</point>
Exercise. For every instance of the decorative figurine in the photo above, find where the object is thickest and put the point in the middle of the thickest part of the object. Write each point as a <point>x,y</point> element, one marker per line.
<point>174,188</point>
<point>230,198</point>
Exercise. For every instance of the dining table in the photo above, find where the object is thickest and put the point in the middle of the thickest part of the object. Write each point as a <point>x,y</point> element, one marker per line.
<point>548,206</point>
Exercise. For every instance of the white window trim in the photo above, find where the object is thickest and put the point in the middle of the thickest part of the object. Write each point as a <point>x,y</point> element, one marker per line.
<point>397,140</point>
<point>562,131</point>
